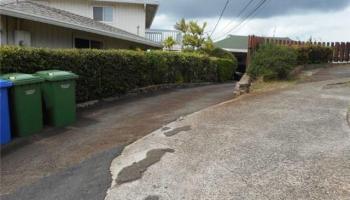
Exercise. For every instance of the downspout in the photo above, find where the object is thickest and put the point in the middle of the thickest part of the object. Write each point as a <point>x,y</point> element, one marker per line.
<point>7,30</point>
<point>18,24</point>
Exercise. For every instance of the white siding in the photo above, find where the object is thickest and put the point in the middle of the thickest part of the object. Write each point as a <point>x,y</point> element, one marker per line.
<point>125,16</point>
<point>130,16</point>
<point>50,36</point>
<point>80,7</point>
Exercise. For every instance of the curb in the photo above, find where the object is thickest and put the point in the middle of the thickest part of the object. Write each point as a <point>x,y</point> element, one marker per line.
<point>243,86</point>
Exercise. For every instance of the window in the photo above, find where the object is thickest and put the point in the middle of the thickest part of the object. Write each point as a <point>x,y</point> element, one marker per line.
<point>86,44</point>
<point>82,43</point>
<point>103,14</point>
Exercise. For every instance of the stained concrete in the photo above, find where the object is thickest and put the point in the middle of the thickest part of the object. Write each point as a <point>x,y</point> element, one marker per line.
<point>177,130</point>
<point>166,128</point>
<point>153,197</point>
<point>88,180</point>
<point>286,144</point>
<point>136,170</point>
<point>71,162</point>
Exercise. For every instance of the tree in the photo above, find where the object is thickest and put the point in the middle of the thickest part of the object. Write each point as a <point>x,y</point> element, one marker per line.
<point>208,45</point>
<point>193,34</point>
<point>169,42</point>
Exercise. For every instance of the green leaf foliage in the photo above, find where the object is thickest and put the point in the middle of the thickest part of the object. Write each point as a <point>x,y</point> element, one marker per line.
<point>226,70</point>
<point>106,73</point>
<point>273,62</point>
<point>314,54</point>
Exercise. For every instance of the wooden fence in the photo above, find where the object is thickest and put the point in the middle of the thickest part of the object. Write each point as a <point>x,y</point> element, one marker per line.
<point>341,50</point>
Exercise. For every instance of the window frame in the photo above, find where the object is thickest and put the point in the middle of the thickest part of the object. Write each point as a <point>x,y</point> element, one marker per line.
<point>103,13</point>
<point>89,39</point>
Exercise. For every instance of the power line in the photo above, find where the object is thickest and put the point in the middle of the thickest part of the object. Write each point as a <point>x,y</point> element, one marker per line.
<point>261,3</point>
<point>250,15</point>
<point>222,13</point>
<point>239,14</point>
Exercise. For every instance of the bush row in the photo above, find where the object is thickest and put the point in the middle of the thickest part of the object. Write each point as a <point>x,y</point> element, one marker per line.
<point>313,54</point>
<point>106,73</point>
<point>277,62</point>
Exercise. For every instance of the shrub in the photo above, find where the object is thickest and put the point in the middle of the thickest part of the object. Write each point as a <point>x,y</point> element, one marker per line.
<point>272,62</point>
<point>221,53</point>
<point>312,54</point>
<point>226,69</point>
<point>106,73</point>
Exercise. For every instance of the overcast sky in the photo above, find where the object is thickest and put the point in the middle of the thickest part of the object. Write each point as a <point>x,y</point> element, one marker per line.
<point>324,20</point>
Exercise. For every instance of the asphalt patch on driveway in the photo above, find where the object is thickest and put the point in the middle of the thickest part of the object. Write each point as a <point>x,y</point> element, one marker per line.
<point>177,130</point>
<point>136,170</point>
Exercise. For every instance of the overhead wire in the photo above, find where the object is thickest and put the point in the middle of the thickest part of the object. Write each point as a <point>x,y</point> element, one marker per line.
<point>247,18</point>
<point>221,15</point>
<point>239,15</point>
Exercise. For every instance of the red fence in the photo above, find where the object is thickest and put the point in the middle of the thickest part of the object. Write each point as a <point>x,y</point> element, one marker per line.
<point>341,50</point>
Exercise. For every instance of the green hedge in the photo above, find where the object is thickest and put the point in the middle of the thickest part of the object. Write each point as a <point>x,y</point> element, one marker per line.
<point>106,73</point>
<point>225,69</point>
<point>276,62</point>
<point>312,54</point>
<point>273,62</point>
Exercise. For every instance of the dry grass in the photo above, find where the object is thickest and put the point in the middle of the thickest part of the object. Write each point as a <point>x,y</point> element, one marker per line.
<point>265,86</point>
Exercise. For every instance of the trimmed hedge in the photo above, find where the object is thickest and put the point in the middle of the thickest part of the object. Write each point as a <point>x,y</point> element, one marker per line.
<point>314,54</point>
<point>225,69</point>
<point>277,62</point>
<point>106,73</point>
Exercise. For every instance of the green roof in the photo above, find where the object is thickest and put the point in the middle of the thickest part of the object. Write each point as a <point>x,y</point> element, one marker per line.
<point>233,42</point>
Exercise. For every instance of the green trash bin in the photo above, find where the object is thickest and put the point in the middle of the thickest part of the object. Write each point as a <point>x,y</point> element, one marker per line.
<point>59,97</point>
<point>26,105</point>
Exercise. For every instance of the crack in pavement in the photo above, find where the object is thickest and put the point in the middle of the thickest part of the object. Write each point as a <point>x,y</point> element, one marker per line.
<point>177,130</point>
<point>136,170</point>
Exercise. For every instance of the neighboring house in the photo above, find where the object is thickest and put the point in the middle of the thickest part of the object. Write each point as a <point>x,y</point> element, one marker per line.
<point>159,35</point>
<point>234,44</point>
<point>239,43</point>
<point>238,46</point>
<point>100,24</point>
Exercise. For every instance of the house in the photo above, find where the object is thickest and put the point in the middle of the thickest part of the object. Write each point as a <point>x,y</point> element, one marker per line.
<point>238,46</point>
<point>99,24</point>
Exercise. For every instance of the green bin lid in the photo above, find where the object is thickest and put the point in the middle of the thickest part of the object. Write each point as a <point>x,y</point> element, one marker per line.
<point>22,79</point>
<point>56,75</point>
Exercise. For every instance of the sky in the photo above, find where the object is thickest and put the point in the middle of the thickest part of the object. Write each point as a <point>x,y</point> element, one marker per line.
<point>323,20</point>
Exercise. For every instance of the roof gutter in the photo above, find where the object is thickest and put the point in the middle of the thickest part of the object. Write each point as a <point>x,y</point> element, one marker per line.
<point>15,13</point>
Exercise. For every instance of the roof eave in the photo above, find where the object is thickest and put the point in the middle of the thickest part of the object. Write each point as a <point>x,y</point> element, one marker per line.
<point>130,1</point>
<point>236,50</point>
<point>15,13</point>
<point>151,10</point>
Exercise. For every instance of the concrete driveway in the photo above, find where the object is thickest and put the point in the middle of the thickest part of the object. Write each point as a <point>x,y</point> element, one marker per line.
<point>286,144</point>
<point>73,163</point>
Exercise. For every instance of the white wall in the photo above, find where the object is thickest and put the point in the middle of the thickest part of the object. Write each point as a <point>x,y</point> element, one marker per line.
<point>125,16</point>
<point>50,36</point>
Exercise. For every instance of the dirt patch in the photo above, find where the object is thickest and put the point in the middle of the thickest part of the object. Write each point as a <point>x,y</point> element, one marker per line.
<point>136,170</point>
<point>177,130</point>
<point>266,86</point>
<point>153,197</point>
